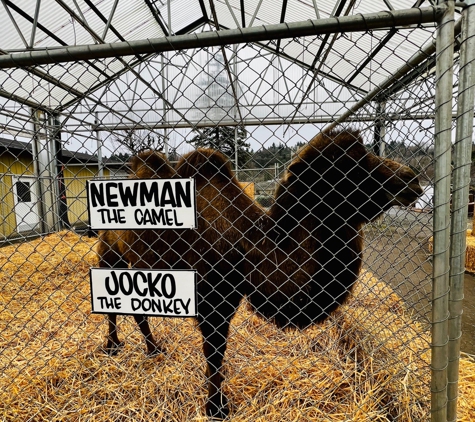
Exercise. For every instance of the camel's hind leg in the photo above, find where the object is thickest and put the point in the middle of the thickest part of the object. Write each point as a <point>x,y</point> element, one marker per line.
<point>152,348</point>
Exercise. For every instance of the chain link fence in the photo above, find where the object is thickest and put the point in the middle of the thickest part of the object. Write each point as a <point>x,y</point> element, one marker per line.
<point>279,229</point>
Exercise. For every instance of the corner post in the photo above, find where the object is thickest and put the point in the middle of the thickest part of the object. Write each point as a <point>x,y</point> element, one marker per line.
<point>441,220</point>
<point>461,182</point>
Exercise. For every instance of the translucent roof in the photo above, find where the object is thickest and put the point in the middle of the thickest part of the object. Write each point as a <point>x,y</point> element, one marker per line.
<point>358,61</point>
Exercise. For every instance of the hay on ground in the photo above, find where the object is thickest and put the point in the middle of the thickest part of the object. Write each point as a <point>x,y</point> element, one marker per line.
<point>368,362</point>
<point>470,253</point>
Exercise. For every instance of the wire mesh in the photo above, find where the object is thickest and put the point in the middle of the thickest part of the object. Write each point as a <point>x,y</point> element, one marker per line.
<point>368,359</point>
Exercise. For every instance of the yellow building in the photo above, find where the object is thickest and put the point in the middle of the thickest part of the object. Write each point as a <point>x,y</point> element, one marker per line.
<point>35,205</point>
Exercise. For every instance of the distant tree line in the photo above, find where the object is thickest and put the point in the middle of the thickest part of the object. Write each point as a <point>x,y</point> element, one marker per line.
<point>417,155</point>
<point>229,140</point>
<point>279,154</point>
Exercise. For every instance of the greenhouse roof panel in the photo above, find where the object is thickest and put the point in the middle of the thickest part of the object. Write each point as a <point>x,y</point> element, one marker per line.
<point>39,25</point>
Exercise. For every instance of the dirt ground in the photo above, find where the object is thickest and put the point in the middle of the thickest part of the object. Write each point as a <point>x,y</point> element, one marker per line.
<point>397,252</point>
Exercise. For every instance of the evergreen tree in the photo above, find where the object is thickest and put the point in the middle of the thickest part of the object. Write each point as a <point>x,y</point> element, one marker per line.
<point>279,154</point>
<point>222,138</point>
<point>120,156</point>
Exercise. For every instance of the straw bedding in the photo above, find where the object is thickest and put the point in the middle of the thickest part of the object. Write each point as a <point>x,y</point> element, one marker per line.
<point>368,362</point>
<point>470,253</point>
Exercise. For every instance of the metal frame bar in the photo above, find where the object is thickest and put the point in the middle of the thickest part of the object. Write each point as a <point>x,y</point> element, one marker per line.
<point>257,121</point>
<point>192,26</point>
<point>232,77</point>
<point>35,23</point>
<point>231,11</point>
<point>42,163</point>
<point>379,131</point>
<point>357,23</point>
<point>441,216</point>
<point>97,37</point>
<point>255,13</point>
<point>282,19</point>
<point>203,10</point>
<point>388,3</point>
<point>317,12</point>
<point>461,182</point>
<point>158,17</point>
<point>372,54</point>
<point>109,21</point>
<point>243,14</point>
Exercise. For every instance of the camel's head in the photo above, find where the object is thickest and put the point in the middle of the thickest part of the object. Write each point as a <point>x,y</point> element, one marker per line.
<point>336,175</point>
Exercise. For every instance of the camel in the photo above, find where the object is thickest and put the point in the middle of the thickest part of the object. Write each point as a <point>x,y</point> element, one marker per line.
<point>295,262</point>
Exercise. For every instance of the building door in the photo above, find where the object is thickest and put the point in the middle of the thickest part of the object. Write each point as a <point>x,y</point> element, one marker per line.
<point>26,203</point>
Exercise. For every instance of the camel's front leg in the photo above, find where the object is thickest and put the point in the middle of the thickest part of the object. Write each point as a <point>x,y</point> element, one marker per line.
<point>215,331</point>
<point>113,343</point>
<point>152,348</point>
<point>218,302</point>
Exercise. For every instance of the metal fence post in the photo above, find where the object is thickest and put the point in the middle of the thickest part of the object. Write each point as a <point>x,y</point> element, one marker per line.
<point>42,148</point>
<point>461,181</point>
<point>441,222</point>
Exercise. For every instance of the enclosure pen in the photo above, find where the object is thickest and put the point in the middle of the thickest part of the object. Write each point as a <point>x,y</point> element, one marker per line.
<point>325,154</point>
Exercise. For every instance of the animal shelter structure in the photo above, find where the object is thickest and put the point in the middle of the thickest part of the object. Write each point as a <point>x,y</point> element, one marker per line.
<point>86,86</point>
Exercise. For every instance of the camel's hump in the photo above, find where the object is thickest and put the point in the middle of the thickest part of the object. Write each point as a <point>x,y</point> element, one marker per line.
<point>205,163</point>
<point>151,164</point>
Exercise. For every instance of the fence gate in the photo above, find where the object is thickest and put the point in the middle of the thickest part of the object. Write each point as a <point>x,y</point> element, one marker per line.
<point>337,125</point>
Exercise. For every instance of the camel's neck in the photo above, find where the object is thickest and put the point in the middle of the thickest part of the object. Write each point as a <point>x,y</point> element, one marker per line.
<point>308,265</point>
<point>298,217</point>
<point>323,241</point>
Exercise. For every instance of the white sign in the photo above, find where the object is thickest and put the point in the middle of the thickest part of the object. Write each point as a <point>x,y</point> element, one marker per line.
<point>141,204</point>
<point>168,293</point>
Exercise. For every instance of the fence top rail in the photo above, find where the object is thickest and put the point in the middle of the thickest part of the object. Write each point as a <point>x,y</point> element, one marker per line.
<point>355,23</point>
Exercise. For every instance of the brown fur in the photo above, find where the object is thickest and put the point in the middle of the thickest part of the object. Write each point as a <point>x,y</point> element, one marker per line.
<point>296,262</point>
